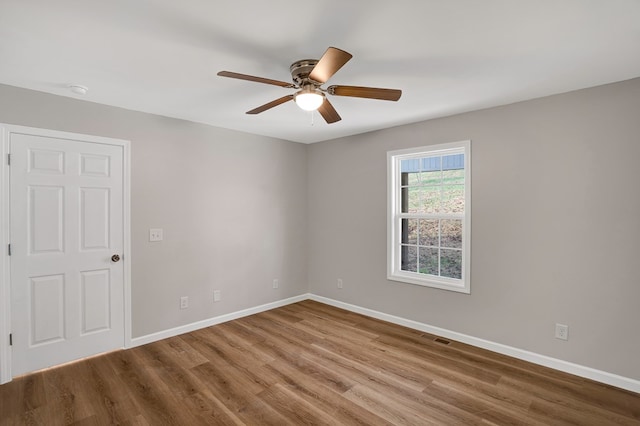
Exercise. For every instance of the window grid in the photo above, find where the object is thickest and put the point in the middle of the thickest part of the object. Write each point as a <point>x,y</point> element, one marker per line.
<point>439,247</point>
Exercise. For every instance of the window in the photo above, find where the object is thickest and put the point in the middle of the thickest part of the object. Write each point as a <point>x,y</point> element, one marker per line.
<point>429,216</point>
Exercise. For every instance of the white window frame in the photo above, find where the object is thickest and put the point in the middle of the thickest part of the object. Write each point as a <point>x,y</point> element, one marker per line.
<point>395,216</point>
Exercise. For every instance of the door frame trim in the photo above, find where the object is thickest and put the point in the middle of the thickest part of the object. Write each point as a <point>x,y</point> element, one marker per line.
<point>5,227</point>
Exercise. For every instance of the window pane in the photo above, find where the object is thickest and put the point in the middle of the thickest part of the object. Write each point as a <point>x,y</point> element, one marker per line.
<point>409,178</point>
<point>451,233</point>
<point>428,261</point>
<point>411,165</point>
<point>409,258</point>
<point>411,200</point>
<point>430,164</point>
<point>429,232</point>
<point>453,177</point>
<point>431,178</point>
<point>453,161</point>
<point>451,263</point>
<point>413,178</point>
<point>453,199</point>
<point>430,199</point>
<point>409,231</point>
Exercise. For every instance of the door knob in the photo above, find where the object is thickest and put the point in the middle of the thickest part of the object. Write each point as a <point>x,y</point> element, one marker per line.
<point>115,258</point>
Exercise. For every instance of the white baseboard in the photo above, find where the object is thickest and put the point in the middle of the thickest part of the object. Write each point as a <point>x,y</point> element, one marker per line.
<point>557,364</point>
<point>546,361</point>
<point>165,334</point>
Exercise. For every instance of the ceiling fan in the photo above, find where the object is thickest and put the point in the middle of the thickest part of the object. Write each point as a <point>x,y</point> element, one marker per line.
<point>308,75</point>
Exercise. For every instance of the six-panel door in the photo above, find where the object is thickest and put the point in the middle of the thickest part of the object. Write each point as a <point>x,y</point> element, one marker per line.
<point>66,224</point>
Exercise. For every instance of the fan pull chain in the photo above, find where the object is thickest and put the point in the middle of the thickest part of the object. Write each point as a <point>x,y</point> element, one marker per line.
<point>312,116</point>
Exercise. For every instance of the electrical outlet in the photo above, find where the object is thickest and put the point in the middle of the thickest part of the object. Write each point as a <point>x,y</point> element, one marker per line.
<point>216,295</point>
<point>276,283</point>
<point>562,332</point>
<point>339,282</point>
<point>156,234</point>
<point>184,302</point>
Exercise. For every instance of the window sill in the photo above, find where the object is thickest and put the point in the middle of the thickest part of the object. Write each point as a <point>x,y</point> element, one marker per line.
<point>457,286</point>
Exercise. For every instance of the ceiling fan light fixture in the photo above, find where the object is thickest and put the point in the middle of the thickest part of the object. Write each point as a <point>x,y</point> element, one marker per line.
<point>309,99</point>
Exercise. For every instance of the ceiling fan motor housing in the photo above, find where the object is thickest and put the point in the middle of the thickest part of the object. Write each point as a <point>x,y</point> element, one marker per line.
<point>300,71</point>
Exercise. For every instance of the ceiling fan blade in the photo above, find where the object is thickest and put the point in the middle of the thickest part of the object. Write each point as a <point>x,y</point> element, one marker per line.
<point>271,104</point>
<point>253,78</point>
<point>365,92</point>
<point>332,60</point>
<point>328,112</point>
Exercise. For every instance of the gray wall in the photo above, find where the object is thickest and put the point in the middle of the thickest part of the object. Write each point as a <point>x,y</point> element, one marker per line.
<point>556,211</point>
<point>555,225</point>
<point>232,206</point>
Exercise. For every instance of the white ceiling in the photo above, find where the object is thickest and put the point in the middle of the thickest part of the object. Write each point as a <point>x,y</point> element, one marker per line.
<point>162,56</point>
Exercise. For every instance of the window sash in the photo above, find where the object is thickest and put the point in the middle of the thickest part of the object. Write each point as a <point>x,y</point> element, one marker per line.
<point>425,276</point>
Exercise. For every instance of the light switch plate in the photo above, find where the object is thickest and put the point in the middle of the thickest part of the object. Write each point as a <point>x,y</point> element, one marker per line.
<point>156,234</point>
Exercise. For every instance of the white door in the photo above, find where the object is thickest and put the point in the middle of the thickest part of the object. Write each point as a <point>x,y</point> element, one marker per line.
<point>66,218</point>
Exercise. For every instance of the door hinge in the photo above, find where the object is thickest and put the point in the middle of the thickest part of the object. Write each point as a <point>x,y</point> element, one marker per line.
<point>9,159</point>
<point>10,339</point>
<point>9,250</point>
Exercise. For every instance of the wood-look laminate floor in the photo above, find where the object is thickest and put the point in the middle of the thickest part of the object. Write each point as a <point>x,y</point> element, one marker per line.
<point>310,363</point>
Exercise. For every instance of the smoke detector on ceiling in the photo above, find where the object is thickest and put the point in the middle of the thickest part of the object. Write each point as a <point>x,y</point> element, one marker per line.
<point>78,89</point>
